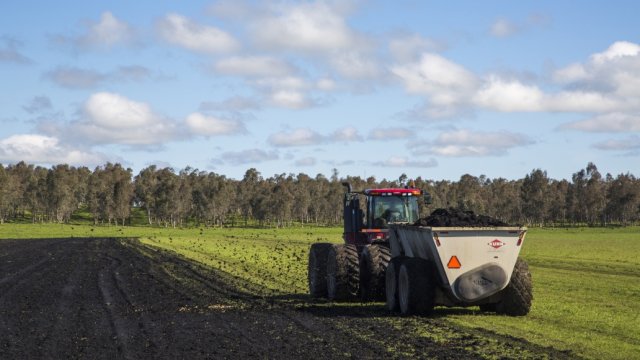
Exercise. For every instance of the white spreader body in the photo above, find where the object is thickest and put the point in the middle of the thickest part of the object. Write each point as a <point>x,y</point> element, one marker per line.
<point>471,263</point>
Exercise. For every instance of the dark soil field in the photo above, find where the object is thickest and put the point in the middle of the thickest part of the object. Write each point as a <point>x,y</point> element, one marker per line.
<point>118,299</point>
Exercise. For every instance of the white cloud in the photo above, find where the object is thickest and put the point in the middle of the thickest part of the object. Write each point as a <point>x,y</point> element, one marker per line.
<point>40,149</point>
<point>617,50</point>
<point>459,143</point>
<point>106,33</point>
<point>131,73</point>
<point>390,133</point>
<point>291,99</point>
<point>296,137</point>
<point>612,122</point>
<point>356,65</point>
<point>446,85</point>
<point>404,162</point>
<point>109,31</point>
<point>326,84</point>
<point>312,27</point>
<point>612,75</point>
<point>75,78</point>
<point>285,82</point>
<point>508,96</point>
<point>108,118</point>
<point>114,111</point>
<point>306,137</point>
<point>78,78</point>
<point>9,52</point>
<point>503,28</point>
<point>38,104</point>
<point>181,31</point>
<point>571,73</point>
<point>272,78</point>
<point>408,48</point>
<point>608,82</point>
<point>235,103</point>
<point>200,124</point>
<point>254,66</point>
<point>346,134</point>
<point>434,74</point>
<point>306,161</point>
<point>631,143</point>
<point>248,156</point>
<point>232,9</point>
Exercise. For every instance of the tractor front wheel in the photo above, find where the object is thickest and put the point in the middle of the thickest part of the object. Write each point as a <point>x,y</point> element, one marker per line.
<point>343,272</point>
<point>374,260</point>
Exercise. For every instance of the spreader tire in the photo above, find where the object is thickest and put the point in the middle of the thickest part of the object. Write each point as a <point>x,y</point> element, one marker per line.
<point>416,287</point>
<point>374,260</point>
<point>517,296</point>
<point>317,269</point>
<point>343,272</point>
<point>391,283</point>
<point>488,307</point>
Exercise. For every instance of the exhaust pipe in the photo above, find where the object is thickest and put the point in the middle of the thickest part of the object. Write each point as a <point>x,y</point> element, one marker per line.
<point>348,186</point>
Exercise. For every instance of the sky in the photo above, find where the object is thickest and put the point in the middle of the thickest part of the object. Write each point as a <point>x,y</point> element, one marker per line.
<point>435,89</point>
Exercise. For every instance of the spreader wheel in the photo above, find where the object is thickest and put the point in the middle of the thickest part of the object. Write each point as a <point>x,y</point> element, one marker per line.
<point>517,296</point>
<point>317,270</point>
<point>343,272</point>
<point>391,282</point>
<point>416,287</point>
<point>374,260</point>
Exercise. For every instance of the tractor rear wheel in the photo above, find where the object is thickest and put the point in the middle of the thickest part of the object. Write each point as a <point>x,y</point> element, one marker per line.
<point>416,288</point>
<point>374,260</point>
<point>391,283</point>
<point>317,269</point>
<point>343,272</point>
<point>517,296</point>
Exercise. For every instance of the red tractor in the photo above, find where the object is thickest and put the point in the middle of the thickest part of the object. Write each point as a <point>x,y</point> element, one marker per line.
<point>357,267</point>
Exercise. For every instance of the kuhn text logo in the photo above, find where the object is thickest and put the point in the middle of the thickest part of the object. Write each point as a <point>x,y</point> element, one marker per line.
<point>496,244</point>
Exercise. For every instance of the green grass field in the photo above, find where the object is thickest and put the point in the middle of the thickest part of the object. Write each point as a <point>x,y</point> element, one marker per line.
<point>586,280</point>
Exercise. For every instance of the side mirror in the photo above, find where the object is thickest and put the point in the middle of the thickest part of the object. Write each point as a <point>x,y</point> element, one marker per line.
<point>428,200</point>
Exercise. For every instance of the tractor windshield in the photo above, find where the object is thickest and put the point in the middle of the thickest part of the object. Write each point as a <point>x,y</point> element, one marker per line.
<point>393,209</point>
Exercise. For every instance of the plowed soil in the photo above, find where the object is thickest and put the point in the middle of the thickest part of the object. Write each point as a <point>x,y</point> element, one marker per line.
<point>118,299</point>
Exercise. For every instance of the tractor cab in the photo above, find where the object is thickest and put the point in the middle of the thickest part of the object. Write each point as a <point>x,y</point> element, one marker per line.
<point>365,223</point>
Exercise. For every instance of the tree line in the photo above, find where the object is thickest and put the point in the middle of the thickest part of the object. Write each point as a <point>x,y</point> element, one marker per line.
<point>201,198</point>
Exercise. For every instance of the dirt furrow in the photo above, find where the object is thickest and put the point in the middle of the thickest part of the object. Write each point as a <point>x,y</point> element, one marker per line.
<point>118,299</point>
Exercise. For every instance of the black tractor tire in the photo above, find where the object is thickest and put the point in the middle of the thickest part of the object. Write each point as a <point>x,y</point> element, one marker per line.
<point>391,283</point>
<point>517,296</point>
<point>317,269</point>
<point>343,272</point>
<point>374,260</point>
<point>488,307</point>
<point>416,287</point>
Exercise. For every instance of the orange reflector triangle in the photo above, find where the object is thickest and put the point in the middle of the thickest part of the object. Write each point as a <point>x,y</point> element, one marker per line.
<point>454,263</point>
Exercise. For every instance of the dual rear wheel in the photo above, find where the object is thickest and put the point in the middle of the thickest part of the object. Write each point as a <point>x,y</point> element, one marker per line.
<point>340,272</point>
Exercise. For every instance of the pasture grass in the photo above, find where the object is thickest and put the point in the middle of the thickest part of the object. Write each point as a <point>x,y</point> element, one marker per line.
<point>586,280</point>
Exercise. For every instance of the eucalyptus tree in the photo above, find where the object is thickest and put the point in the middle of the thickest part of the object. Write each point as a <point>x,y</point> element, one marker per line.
<point>535,197</point>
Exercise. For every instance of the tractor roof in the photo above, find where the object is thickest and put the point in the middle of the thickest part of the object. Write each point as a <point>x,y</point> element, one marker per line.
<point>393,192</point>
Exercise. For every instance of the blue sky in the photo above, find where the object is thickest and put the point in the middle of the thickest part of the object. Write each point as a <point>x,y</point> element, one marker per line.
<point>370,88</point>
